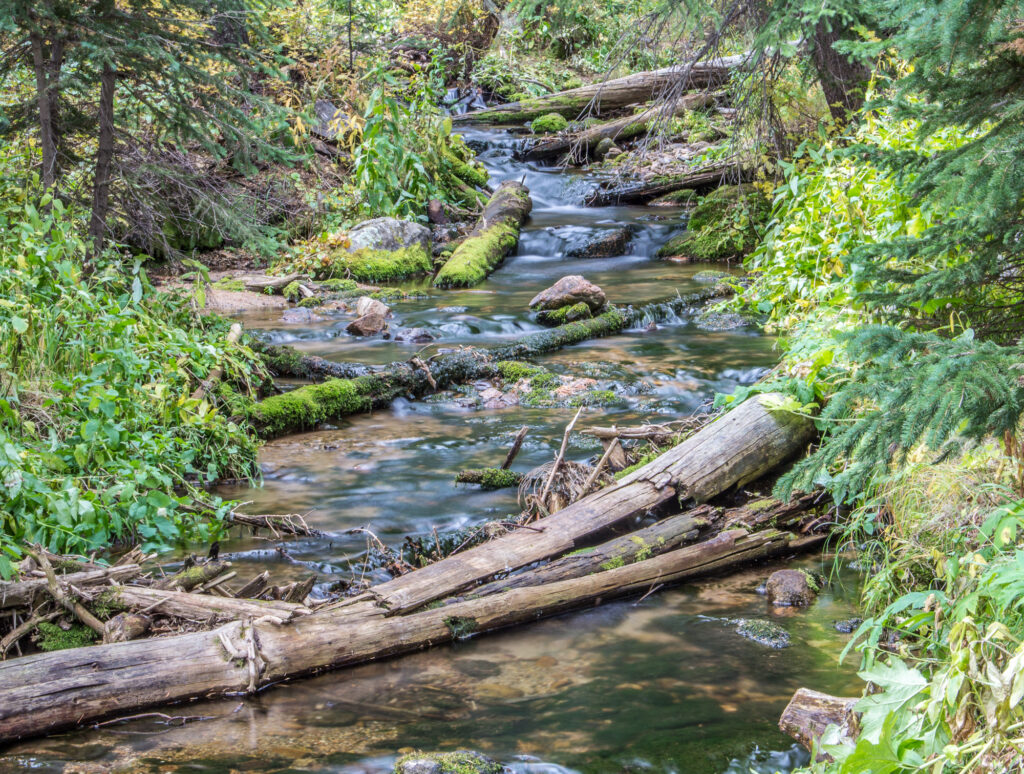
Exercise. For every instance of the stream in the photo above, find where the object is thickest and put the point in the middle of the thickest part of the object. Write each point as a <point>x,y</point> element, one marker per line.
<point>663,684</point>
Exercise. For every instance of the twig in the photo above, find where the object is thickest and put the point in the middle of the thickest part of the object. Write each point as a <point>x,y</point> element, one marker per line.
<point>598,468</point>
<point>73,606</point>
<point>650,591</point>
<point>419,364</point>
<point>22,629</point>
<point>183,719</point>
<point>559,458</point>
<point>516,524</point>
<point>516,445</point>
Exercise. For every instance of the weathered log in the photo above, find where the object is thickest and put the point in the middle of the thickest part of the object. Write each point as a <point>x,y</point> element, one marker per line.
<point>126,626</point>
<point>190,577</point>
<point>609,193</point>
<point>200,607</point>
<point>286,361</point>
<point>517,444</point>
<point>601,99</point>
<point>276,524</point>
<point>494,236</point>
<point>581,144</point>
<point>260,283</point>
<point>51,691</point>
<point>736,448</point>
<point>809,713</point>
<point>23,593</point>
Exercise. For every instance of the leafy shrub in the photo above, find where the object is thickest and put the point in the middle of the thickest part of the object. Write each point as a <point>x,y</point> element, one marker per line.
<point>100,441</point>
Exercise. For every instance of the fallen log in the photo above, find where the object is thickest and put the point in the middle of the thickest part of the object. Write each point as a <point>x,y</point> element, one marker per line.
<point>200,607</point>
<point>738,447</point>
<point>809,713</point>
<point>494,236</point>
<point>26,593</point>
<point>712,176</point>
<point>192,576</point>
<point>51,691</point>
<point>581,144</point>
<point>489,478</point>
<point>601,99</point>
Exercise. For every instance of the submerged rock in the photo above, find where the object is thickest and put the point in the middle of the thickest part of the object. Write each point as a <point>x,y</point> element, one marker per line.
<point>388,234</point>
<point>459,762</point>
<point>790,588</point>
<point>848,626</point>
<point>569,291</point>
<point>300,314</point>
<point>763,632</point>
<point>367,325</point>
<point>606,244</point>
<point>415,335</point>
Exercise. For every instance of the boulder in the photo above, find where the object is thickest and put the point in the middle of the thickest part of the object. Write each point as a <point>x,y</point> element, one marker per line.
<point>415,335</point>
<point>605,244</point>
<point>388,234</point>
<point>367,325</point>
<point>570,291</point>
<point>300,315</point>
<point>602,147</point>
<point>366,305</point>
<point>767,633</point>
<point>789,588</point>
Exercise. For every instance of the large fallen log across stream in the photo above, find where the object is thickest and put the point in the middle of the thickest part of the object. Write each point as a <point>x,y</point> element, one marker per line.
<point>50,691</point>
<point>601,99</point>
<point>356,389</point>
<point>613,192</point>
<point>581,144</point>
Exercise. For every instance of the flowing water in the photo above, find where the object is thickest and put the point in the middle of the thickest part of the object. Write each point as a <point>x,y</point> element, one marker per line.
<point>663,684</point>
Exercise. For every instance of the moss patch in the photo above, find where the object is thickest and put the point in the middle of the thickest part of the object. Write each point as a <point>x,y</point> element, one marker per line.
<point>460,627</point>
<point>311,302</point>
<point>366,265</point>
<point>309,406</point>
<point>513,370</point>
<point>340,285</point>
<point>230,283</point>
<point>292,292</point>
<point>549,124</point>
<point>564,315</point>
<point>52,637</point>
<point>460,762</point>
<point>726,225</point>
<point>763,632</point>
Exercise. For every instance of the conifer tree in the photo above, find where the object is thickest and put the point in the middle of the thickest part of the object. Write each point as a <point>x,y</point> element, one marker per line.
<point>158,72</point>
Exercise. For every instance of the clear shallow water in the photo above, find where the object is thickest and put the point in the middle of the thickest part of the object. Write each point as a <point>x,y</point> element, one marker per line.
<point>664,685</point>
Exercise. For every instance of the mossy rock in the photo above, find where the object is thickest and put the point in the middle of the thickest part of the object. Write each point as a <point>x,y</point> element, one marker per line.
<point>763,632</point>
<point>233,284</point>
<point>292,291</point>
<point>549,124</point>
<point>366,265</point>
<point>726,225</point>
<point>513,370</point>
<point>311,302</point>
<point>678,198</point>
<point>340,285</point>
<point>566,314</point>
<point>459,762</point>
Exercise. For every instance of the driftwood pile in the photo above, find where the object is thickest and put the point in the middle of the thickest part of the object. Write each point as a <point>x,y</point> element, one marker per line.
<point>583,554</point>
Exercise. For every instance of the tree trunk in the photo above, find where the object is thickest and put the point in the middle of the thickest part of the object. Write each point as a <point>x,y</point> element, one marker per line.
<point>47,70</point>
<point>609,96</point>
<point>581,144</point>
<point>809,713</point>
<point>843,80</point>
<point>52,691</point>
<point>104,160</point>
<point>713,176</point>
<point>494,236</point>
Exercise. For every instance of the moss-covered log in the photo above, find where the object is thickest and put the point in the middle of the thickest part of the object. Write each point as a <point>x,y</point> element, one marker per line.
<point>581,144</point>
<point>604,98</point>
<point>610,194</point>
<point>494,236</point>
<point>489,478</point>
<point>305,407</point>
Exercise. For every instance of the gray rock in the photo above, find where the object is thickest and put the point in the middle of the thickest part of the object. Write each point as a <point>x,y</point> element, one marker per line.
<point>602,147</point>
<point>415,335</point>
<point>789,588</point>
<point>605,244</point>
<point>330,121</point>
<point>569,291</point>
<point>419,766</point>
<point>300,315</point>
<point>848,626</point>
<point>389,234</point>
<point>366,305</point>
<point>763,632</point>
<point>367,325</point>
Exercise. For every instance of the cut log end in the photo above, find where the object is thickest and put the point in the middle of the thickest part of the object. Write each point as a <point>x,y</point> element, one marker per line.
<point>809,713</point>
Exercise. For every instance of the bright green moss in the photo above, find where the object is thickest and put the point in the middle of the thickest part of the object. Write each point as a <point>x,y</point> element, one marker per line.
<point>340,285</point>
<point>478,256</point>
<point>308,406</point>
<point>614,563</point>
<point>52,637</point>
<point>564,314</point>
<point>292,292</point>
<point>460,627</point>
<point>594,398</point>
<point>472,174</point>
<point>366,265</point>
<point>724,226</point>
<point>549,124</point>
<point>513,370</point>
<point>230,283</point>
<point>460,762</point>
<point>311,302</point>
<point>497,478</point>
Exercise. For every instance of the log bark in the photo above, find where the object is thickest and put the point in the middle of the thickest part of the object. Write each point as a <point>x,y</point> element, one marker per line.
<point>25,593</point>
<point>581,144</point>
<point>201,607</point>
<point>52,691</point>
<point>495,235</point>
<point>809,713</point>
<point>191,577</point>
<point>713,176</point>
<point>738,447</point>
<point>602,99</point>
